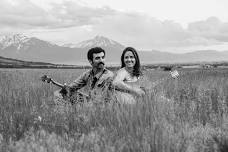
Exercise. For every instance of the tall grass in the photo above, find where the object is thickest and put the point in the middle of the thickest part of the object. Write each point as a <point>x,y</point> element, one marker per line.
<point>188,114</point>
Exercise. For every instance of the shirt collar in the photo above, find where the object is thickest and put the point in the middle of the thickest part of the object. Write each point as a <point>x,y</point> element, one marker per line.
<point>98,75</point>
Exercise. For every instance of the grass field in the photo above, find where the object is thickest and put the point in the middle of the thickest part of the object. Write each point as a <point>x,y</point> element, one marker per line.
<point>185,115</point>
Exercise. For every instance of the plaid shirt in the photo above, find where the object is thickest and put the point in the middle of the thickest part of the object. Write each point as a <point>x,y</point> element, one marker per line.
<point>95,85</point>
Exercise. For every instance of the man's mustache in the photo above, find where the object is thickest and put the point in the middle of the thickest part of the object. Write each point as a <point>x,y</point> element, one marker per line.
<point>101,63</point>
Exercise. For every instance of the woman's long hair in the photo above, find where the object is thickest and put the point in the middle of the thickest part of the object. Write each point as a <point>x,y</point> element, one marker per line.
<point>136,70</point>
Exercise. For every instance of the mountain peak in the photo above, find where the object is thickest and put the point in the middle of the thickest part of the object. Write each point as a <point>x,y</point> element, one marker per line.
<point>98,41</point>
<point>15,37</point>
<point>20,41</point>
<point>15,40</point>
<point>100,37</point>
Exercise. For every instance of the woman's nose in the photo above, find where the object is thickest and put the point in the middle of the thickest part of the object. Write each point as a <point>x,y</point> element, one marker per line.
<point>128,59</point>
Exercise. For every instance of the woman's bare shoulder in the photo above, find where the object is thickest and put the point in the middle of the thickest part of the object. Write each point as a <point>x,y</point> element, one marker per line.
<point>120,75</point>
<point>121,71</point>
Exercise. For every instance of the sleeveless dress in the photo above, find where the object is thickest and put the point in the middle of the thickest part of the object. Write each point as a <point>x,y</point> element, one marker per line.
<point>122,96</point>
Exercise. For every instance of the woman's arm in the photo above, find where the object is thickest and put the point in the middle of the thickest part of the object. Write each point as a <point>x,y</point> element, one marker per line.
<point>118,82</point>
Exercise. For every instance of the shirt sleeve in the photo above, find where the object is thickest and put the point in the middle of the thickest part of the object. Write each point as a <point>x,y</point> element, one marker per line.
<point>106,79</point>
<point>80,82</point>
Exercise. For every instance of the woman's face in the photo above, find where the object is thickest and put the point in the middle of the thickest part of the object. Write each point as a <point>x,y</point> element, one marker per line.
<point>129,59</point>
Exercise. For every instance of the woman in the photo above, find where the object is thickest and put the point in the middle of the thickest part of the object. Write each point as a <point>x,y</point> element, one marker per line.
<point>125,82</point>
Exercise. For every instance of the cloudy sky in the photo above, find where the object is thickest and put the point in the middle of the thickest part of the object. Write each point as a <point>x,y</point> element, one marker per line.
<point>167,25</point>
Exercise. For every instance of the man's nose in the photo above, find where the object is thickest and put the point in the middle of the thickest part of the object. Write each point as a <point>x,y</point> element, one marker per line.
<point>102,59</point>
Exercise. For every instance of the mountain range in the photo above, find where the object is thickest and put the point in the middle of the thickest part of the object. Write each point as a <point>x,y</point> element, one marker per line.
<point>21,47</point>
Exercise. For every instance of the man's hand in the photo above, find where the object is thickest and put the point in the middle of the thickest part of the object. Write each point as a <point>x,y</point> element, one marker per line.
<point>64,91</point>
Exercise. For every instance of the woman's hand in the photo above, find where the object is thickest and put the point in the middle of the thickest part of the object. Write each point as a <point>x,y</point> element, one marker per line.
<point>139,92</point>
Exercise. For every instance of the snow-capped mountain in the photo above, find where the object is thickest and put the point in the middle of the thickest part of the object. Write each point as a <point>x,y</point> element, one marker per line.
<point>17,41</point>
<point>20,42</point>
<point>112,48</point>
<point>97,41</point>
<point>33,49</point>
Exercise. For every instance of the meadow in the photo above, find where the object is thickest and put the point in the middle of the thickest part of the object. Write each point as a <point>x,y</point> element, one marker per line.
<point>189,114</point>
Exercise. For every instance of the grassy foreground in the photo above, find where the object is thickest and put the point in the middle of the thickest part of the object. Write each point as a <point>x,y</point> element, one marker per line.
<point>185,115</point>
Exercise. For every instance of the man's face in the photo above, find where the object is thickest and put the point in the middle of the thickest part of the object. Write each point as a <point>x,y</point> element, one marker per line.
<point>98,60</point>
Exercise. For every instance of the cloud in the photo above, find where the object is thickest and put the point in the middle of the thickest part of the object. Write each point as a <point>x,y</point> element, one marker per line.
<point>74,14</point>
<point>136,29</point>
<point>22,14</point>
<point>25,14</point>
<point>72,10</point>
<point>212,28</point>
<point>139,29</point>
<point>70,19</point>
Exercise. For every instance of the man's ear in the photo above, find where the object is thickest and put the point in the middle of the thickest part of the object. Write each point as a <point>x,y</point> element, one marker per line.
<point>91,62</point>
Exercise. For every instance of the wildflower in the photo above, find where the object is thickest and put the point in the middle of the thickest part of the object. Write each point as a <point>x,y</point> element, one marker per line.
<point>39,118</point>
<point>174,74</point>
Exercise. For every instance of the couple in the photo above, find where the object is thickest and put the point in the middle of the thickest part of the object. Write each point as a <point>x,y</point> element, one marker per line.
<point>103,85</point>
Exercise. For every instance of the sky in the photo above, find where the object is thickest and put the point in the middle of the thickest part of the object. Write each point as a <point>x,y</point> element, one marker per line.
<point>174,26</point>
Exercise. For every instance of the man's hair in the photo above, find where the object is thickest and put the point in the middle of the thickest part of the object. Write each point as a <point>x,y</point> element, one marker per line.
<point>94,50</point>
<point>136,70</point>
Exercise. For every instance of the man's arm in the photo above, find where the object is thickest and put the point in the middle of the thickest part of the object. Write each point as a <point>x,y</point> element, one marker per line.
<point>107,89</point>
<point>80,82</point>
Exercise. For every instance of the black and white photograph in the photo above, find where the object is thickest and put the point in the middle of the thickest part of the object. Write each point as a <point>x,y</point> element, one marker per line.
<point>113,76</point>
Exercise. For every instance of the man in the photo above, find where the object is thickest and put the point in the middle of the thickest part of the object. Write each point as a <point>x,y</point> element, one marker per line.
<point>96,80</point>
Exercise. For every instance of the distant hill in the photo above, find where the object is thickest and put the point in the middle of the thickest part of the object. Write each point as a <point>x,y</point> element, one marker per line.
<point>33,49</point>
<point>10,63</point>
<point>192,57</point>
<point>14,63</point>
